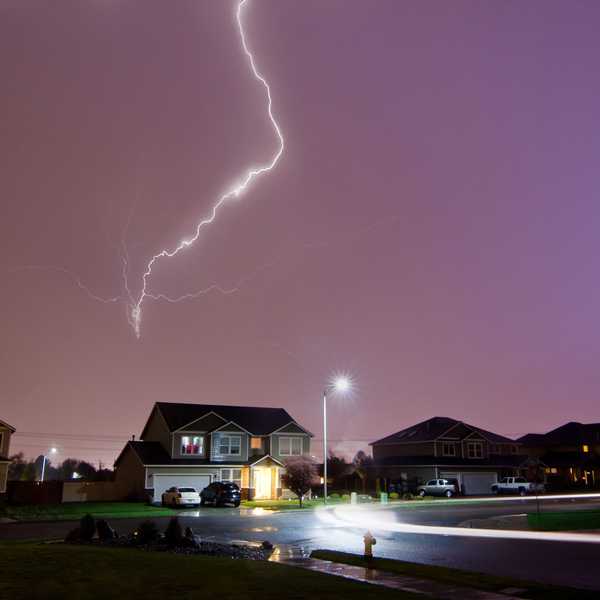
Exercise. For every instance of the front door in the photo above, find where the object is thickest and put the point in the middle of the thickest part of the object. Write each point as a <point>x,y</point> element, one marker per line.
<point>262,483</point>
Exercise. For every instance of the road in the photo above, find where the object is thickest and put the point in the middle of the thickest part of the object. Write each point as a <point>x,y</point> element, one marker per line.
<point>564,563</point>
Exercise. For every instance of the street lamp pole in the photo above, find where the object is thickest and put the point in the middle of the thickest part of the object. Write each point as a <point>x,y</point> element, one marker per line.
<point>44,459</point>
<point>325,446</point>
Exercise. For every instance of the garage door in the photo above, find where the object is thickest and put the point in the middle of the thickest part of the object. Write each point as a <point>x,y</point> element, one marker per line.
<point>475,484</point>
<point>164,482</point>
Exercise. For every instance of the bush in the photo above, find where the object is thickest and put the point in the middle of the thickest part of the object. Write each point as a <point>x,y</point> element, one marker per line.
<point>147,532</point>
<point>407,496</point>
<point>87,528</point>
<point>334,496</point>
<point>173,533</point>
<point>394,495</point>
<point>346,497</point>
<point>105,531</point>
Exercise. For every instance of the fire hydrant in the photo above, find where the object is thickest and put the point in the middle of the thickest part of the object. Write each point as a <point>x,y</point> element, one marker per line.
<point>369,541</point>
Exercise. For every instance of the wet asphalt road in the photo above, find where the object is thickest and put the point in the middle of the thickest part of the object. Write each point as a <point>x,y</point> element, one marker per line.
<point>565,563</point>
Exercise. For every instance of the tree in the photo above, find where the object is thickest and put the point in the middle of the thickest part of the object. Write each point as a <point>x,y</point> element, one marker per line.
<point>86,470</point>
<point>337,469</point>
<point>362,462</point>
<point>67,468</point>
<point>300,475</point>
<point>17,467</point>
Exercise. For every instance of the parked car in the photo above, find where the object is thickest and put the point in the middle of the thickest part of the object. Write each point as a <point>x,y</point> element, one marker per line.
<point>221,493</point>
<point>439,487</point>
<point>517,485</point>
<point>181,496</point>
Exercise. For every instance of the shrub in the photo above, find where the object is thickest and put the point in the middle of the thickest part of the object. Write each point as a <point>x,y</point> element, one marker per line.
<point>87,528</point>
<point>147,532</point>
<point>394,495</point>
<point>334,496</point>
<point>74,535</point>
<point>407,496</point>
<point>105,531</point>
<point>346,497</point>
<point>173,533</point>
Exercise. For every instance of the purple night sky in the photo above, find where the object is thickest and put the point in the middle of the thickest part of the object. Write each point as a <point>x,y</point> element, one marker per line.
<point>432,227</point>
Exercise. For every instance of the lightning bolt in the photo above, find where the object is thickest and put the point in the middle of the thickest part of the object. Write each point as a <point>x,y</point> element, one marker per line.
<point>135,308</point>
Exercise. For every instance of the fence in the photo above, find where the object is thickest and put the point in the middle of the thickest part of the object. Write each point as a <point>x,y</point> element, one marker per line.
<point>56,492</point>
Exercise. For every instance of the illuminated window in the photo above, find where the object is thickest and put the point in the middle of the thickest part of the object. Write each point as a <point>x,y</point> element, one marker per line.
<point>192,444</point>
<point>586,448</point>
<point>256,443</point>
<point>290,446</point>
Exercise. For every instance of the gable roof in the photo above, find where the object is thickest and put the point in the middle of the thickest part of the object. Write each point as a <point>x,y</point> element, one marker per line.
<point>569,434</point>
<point>5,424</point>
<point>434,428</point>
<point>257,420</point>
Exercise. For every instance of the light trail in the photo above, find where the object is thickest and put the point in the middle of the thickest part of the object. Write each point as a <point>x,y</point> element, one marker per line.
<point>374,520</point>
<point>135,314</point>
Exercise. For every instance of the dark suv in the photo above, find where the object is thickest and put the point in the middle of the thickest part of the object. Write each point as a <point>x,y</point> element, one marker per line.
<point>221,493</point>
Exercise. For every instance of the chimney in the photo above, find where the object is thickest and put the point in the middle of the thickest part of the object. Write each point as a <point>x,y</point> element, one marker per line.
<point>133,438</point>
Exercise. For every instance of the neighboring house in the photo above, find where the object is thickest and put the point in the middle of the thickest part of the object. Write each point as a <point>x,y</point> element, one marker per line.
<point>444,448</point>
<point>196,444</point>
<point>570,454</point>
<point>6,431</point>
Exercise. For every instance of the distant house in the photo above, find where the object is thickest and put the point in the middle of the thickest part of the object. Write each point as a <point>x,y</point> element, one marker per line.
<point>196,444</point>
<point>445,448</point>
<point>570,454</point>
<point>6,431</point>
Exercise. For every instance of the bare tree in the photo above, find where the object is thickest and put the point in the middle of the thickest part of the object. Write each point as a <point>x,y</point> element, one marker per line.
<point>300,475</point>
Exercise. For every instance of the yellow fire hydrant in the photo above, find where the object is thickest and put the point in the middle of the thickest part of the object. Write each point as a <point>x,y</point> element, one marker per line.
<point>369,541</point>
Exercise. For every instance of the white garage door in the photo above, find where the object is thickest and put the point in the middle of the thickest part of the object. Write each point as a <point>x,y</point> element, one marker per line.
<point>475,484</point>
<point>164,482</point>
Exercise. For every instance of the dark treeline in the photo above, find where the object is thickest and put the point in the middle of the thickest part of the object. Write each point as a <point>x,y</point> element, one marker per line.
<point>70,468</point>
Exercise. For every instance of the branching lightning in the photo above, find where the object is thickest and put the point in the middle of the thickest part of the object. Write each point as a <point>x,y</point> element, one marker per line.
<point>135,308</point>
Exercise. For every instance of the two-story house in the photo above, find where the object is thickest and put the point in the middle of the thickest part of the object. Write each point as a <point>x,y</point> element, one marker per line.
<point>6,431</point>
<point>196,444</point>
<point>445,448</point>
<point>570,454</point>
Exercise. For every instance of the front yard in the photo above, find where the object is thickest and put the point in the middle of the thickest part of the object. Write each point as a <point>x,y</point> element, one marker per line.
<point>48,571</point>
<point>75,510</point>
<point>564,520</point>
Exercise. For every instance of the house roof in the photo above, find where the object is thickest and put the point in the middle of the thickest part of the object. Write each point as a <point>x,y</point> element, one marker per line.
<point>434,428</point>
<point>153,453</point>
<point>257,420</point>
<point>5,424</point>
<point>569,434</point>
<point>450,461</point>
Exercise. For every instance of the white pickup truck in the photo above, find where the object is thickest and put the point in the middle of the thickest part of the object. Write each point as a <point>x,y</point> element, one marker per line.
<point>517,485</point>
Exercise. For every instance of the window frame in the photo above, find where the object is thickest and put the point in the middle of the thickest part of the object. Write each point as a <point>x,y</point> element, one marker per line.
<point>231,479</point>
<point>192,436</point>
<point>229,437</point>
<point>290,439</point>
<point>451,445</point>
<point>474,444</point>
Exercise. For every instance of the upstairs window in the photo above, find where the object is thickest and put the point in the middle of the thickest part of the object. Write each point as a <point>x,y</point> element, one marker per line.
<point>192,444</point>
<point>585,448</point>
<point>230,444</point>
<point>256,443</point>
<point>448,449</point>
<point>290,446</point>
<point>474,450</point>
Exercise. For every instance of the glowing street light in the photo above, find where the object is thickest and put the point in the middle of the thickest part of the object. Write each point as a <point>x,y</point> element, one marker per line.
<point>340,385</point>
<point>51,451</point>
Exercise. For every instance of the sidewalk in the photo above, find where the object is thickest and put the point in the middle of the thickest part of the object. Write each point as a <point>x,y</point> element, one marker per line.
<point>293,555</point>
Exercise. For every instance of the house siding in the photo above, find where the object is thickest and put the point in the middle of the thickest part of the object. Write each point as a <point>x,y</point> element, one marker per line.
<point>129,475</point>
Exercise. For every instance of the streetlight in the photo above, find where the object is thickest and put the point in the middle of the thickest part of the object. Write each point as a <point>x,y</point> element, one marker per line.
<point>340,385</point>
<point>52,451</point>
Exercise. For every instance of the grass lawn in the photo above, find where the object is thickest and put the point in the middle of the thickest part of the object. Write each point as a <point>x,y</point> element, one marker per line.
<point>75,510</point>
<point>565,520</point>
<point>535,591</point>
<point>285,504</point>
<point>61,571</point>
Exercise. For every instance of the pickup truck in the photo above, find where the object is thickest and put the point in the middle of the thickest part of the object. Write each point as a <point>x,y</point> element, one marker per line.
<point>517,485</point>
